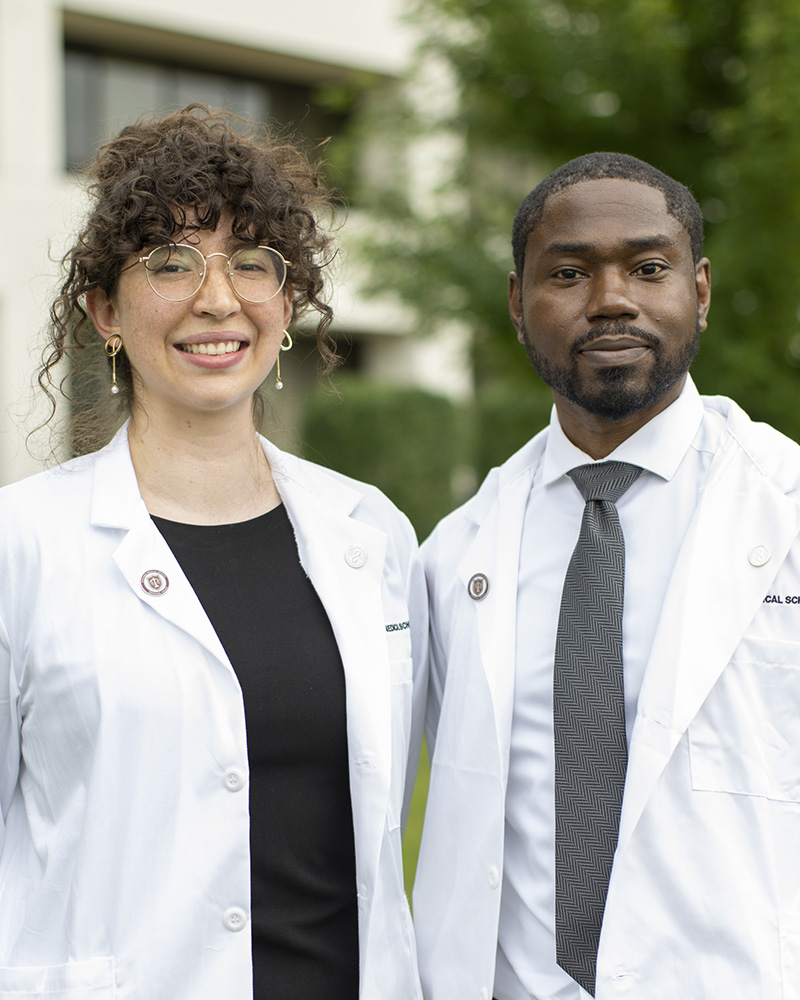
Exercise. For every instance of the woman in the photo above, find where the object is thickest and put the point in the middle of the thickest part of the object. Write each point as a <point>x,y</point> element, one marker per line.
<point>209,650</point>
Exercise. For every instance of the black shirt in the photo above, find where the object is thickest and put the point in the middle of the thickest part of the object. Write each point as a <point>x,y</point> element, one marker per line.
<point>279,640</point>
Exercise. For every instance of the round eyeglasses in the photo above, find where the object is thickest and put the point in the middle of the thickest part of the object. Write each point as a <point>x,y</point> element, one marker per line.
<point>177,271</point>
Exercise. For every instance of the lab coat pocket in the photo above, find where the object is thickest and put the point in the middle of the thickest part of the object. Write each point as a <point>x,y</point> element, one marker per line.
<point>790,955</point>
<point>401,673</point>
<point>746,738</point>
<point>89,980</point>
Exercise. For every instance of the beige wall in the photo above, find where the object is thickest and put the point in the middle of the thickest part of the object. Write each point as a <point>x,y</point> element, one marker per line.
<point>362,34</point>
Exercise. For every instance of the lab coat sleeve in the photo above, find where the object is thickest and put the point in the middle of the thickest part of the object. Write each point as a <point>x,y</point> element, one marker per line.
<point>417,597</point>
<point>9,727</point>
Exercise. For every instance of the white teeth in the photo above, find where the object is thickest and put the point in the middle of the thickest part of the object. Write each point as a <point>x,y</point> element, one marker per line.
<point>229,347</point>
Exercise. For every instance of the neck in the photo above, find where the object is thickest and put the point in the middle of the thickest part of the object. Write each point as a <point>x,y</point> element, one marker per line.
<point>201,470</point>
<point>597,436</point>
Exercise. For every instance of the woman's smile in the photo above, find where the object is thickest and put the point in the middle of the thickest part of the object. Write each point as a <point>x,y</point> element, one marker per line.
<point>223,347</point>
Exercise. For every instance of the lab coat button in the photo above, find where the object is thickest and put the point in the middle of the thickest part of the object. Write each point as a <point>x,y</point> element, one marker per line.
<point>234,779</point>
<point>235,919</point>
<point>760,556</point>
<point>154,582</point>
<point>484,994</point>
<point>355,556</point>
<point>494,877</point>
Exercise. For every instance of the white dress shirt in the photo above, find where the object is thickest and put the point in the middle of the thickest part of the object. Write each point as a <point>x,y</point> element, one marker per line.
<point>675,449</point>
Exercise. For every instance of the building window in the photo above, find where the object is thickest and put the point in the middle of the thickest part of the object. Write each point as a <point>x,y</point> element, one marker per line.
<point>104,92</point>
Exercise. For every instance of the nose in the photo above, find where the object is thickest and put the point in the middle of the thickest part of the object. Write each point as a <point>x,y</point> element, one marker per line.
<point>216,296</point>
<point>610,297</point>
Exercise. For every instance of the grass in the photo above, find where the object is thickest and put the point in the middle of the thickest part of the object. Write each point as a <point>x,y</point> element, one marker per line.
<point>413,834</point>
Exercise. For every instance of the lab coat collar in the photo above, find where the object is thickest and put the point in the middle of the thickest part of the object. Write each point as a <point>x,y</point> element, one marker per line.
<point>116,499</point>
<point>659,447</point>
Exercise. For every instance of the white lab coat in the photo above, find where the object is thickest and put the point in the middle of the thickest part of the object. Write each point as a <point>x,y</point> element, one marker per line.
<point>124,847</point>
<point>704,899</point>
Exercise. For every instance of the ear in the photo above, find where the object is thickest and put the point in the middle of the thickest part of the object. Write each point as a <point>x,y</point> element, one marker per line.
<point>703,285</point>
<point>515,305</point>
<point>103,313</point>
<point>288,308</point>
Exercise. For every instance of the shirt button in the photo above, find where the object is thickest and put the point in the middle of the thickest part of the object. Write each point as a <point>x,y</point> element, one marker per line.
<point>234,779</point>
<point>623,982</point>
<point>484,995</point>
<point>235,919</point>
<point>760,556</point>
<point>494,877</point>
<point>355,556</point>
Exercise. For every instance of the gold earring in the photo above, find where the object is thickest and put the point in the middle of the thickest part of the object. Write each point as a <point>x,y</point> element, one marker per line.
<point>284,347</point>
<point>112,347</point>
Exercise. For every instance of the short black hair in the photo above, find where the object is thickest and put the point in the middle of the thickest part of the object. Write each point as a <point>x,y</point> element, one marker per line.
<point>681,203</point>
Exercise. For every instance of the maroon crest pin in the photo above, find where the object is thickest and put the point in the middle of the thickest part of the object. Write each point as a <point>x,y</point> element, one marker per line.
<point>155,583</point>
<point>478,586</point>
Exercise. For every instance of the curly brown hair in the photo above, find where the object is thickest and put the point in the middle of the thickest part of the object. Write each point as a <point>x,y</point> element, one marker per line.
<point>157,179</point>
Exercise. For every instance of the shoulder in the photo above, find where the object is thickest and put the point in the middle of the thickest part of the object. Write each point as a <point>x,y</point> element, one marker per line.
<point>47,491</point>
<point>455,531</point>
<point>46,519</point>
<point>775,456</point>
<point>364,502</point>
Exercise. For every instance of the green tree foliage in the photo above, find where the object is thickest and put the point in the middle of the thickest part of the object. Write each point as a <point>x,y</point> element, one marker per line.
<point>707,90</point>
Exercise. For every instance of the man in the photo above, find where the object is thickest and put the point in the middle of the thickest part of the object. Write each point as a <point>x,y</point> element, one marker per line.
<point>650,636</point>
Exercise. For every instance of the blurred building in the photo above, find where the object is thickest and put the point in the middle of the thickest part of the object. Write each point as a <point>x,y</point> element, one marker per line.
<point>72,73</point>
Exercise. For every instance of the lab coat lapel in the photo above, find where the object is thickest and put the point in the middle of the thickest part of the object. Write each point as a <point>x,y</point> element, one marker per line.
<point>719,582</point>
<point>344,559</point>
<point>145,560</point>
<point>495,554</point>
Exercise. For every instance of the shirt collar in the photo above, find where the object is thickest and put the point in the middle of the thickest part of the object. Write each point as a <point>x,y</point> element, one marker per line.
<point>658,447</point>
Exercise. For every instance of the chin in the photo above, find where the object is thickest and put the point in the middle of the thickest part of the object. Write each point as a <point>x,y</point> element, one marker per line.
<point>622,394</point>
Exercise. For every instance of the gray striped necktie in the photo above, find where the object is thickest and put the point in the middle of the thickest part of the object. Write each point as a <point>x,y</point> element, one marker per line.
<point>589,719</point>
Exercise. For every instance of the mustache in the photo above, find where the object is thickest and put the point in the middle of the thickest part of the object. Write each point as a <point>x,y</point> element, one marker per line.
<point>615,330</point>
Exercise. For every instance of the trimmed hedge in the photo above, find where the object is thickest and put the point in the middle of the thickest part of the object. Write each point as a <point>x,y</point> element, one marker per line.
<point>408,442</point>
<point>418,447</point>
<point>507,418</point>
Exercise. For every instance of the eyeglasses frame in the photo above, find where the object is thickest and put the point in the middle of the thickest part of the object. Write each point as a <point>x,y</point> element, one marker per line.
<point>143,260</point>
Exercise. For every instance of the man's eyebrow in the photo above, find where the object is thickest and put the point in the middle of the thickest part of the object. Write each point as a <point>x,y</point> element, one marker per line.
<point>658,241</point>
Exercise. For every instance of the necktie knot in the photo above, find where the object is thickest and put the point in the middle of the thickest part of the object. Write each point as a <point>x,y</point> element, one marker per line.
<point>604,480</point>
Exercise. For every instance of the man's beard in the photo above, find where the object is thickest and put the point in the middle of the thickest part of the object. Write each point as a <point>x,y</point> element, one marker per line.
<point>615,394</point>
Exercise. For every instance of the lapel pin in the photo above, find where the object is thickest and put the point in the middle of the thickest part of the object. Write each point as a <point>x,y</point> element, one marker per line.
<point>155,583</point>
<point>478,586</point>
